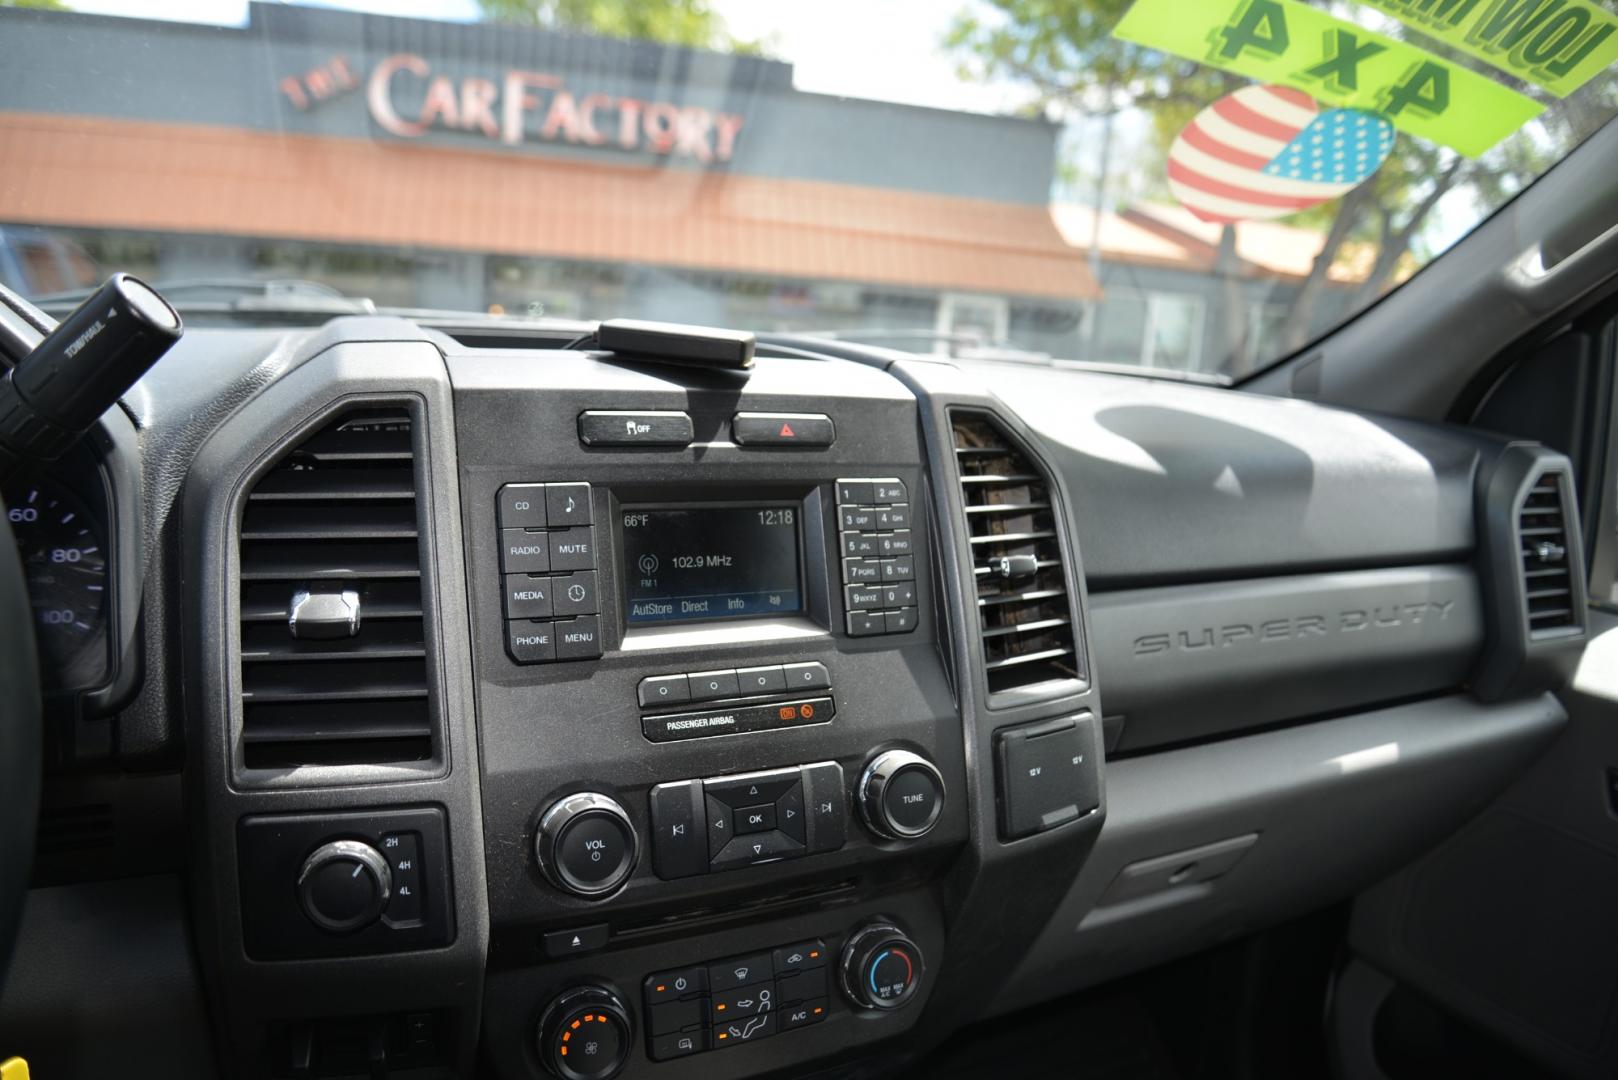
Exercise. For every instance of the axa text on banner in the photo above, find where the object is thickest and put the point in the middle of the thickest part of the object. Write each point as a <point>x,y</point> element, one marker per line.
<point>1556,44</point>
<point>1337,63</point>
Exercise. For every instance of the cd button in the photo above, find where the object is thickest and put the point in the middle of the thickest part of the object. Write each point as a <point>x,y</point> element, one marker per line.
<point>761,680</point>
<point>712,685</point>
<point>522,506</point>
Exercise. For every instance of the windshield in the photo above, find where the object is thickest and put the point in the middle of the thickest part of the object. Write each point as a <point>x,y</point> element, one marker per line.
<point>1197,185</point>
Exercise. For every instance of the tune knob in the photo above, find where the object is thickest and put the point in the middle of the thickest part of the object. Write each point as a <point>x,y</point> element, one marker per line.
<point>901,795</point>
<point>344,885</point>
<point>586,844</point>
<point>881,967</point>
<point>585,1034</point>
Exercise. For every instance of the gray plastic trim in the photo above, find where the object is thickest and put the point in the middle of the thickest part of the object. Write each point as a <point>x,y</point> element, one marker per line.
<point>1191,661</point>
<point>1336,805</point>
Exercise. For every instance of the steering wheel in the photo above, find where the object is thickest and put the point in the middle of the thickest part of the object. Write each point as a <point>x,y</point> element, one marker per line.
<point>20,739</point>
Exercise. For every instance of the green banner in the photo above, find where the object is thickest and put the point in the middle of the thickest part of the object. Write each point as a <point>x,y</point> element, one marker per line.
<point>1557,44</point>
<point>1337,63</point>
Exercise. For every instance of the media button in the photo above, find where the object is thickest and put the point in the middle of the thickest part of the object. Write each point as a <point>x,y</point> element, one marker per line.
<point>531,641</point>
<point>809,676</point>
<point>761,680</point>
<point>522,506</point>
<point>572,549</point>
<point>575,594</point>
<point>578,639</point>
<point>567,504</point>
<point>664,690</point>
<point>524,552</point>
<point>528,596</point>
<point>712,685</point>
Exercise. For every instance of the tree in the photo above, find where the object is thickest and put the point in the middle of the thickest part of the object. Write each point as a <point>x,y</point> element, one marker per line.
<point>674,22</point>
<point>37,5</point>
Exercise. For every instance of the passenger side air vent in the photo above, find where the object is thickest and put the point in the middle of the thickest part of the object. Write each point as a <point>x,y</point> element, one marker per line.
<point>1543,545</point>
<point>1022,597</point>
<point>334,651</point>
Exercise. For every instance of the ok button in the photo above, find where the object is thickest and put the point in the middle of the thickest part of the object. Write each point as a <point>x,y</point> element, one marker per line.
<point>752,819</point>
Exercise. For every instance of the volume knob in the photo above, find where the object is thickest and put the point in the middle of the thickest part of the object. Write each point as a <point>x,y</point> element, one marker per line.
<point>586,844</point>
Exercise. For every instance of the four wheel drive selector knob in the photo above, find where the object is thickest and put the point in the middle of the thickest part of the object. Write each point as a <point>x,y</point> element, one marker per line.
<point>586,845</point>
<point>344,885</point>
<point>585,1034</point>
<point>881,968</point>
<point>901,795</point>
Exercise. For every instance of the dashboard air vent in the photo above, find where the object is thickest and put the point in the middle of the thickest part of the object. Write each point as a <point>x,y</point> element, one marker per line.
<point>334,654</point>
<point>1022,596</point>
<point>1547,574</point>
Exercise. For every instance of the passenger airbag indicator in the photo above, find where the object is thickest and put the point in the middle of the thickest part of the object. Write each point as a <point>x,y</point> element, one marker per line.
<point>710,722</point>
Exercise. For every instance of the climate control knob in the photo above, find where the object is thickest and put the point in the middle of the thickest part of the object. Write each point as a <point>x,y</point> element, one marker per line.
<point>585,1034</point>
<point>586,844</point>
<point>901,795</point>
<point>881,967</point>
<point>344,885</point>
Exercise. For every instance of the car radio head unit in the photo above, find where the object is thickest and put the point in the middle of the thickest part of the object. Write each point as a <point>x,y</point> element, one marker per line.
<point>698,563</point>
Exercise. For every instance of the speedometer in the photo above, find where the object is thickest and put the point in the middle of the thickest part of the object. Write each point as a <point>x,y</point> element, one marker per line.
<point>65,559</point>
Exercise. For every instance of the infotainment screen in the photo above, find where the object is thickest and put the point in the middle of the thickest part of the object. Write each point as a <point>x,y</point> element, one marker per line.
<point>695,563</point>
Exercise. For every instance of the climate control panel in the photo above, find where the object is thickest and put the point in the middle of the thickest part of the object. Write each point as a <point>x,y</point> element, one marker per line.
<point>737,1000</point>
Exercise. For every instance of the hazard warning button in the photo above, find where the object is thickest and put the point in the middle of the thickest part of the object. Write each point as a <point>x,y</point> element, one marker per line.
<point>782,429</point>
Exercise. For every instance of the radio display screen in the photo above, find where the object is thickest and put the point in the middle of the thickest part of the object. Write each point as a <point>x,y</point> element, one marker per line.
<point>697,563</point>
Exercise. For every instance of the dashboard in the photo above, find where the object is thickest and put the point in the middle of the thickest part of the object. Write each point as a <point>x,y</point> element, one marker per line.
<point>545,712</point>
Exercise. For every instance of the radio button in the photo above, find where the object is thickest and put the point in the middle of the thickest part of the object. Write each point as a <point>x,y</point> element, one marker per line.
<point>866,623</point>
<point>889,491</point>
<point>567,504</point>
<point>531,641</point>
<point>902,621</point>
<point>809,676</point>
<point>664,690</point>
<point>861,545</point>
<point>523,552</point>
<point>528,597</point>
<point>862,571</point>
<point>575,594</point>
<point>712,685</point>
<point>853,492</point>
<point>522,506</point>
<point>578,639</point>
<point>762,680</point>
<point>572,549</point>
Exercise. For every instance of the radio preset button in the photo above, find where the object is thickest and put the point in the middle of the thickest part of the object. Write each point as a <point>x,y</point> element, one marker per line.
<point>528,596</point>
<point>889,491</point>
<point>575,594</point>
<point>567,504</point>
<point>712,685</point>
<point>762,680</point>
<point>664,690</point>
<point>853,492</point>
<point>522,506</point>
<point>808,676</point>
<point>524,552</point>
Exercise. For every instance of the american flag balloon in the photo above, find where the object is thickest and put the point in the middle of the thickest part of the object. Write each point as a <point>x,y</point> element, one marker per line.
<point>1268,151</point>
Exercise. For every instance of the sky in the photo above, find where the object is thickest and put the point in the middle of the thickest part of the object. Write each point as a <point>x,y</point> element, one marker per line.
<point>894,57</point>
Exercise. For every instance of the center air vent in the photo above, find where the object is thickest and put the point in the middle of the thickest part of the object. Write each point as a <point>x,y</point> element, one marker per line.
<point>1022,594</point>
<point>1543,544</point>
<point>334,654</point>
